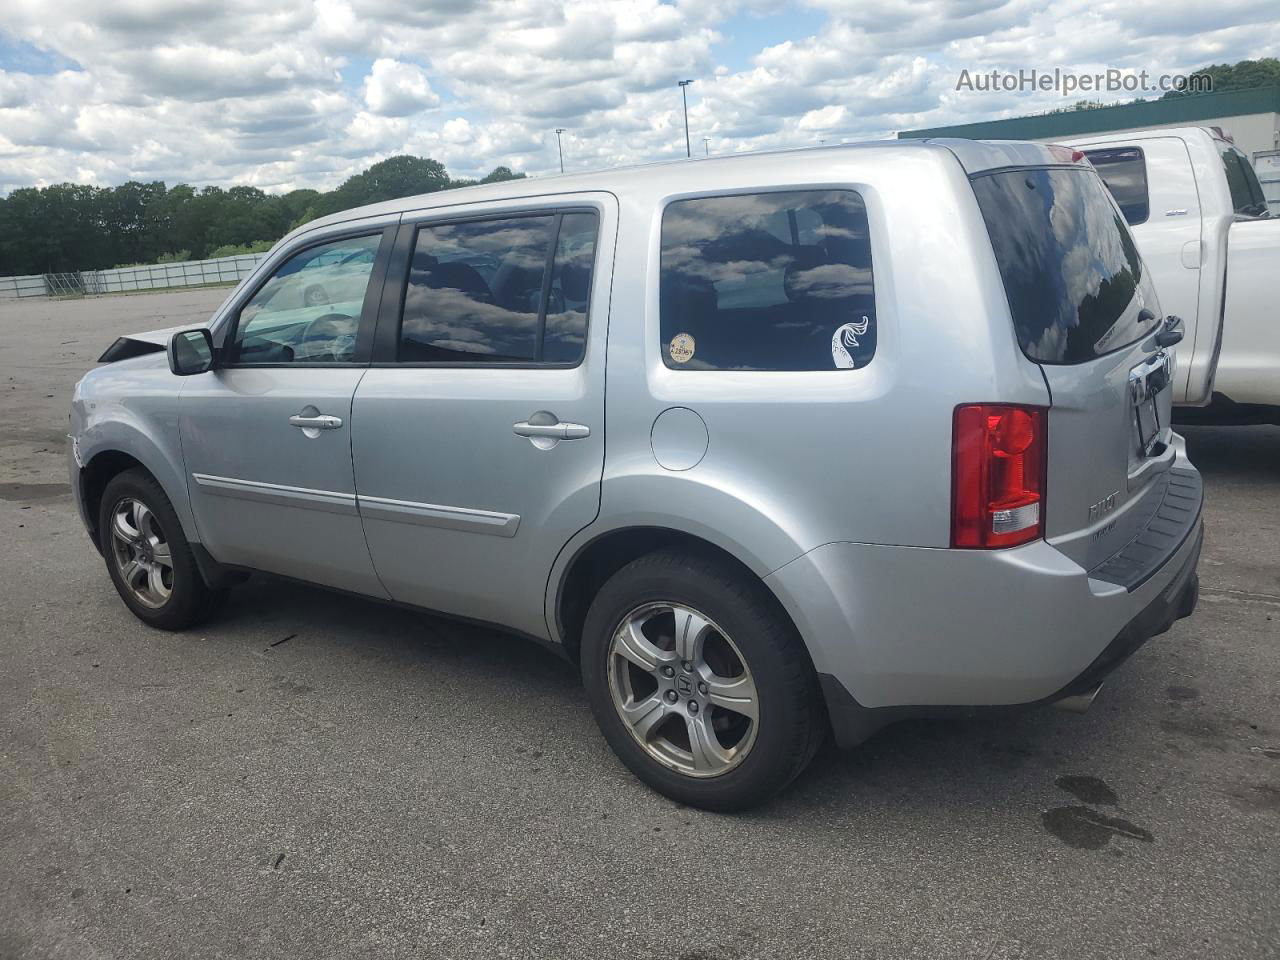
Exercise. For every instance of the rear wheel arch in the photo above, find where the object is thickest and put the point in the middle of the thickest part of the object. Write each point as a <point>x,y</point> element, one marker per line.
<point>599,559</point>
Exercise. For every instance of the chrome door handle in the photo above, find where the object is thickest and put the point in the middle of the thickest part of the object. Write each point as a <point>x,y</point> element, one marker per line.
<point>552,431</point>
<point>323,422</point>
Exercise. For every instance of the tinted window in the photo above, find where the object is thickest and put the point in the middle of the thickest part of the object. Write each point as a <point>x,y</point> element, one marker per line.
<point>565,335</point>
<point>1074,280</point>
<point>768,281</point>
<point>479,291</point>
<point>1124,171</point>
<point>1246,191</point>
<point>309,310</point>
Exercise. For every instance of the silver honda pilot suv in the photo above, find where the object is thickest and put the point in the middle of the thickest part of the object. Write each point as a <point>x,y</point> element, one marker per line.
<point>773,446</point>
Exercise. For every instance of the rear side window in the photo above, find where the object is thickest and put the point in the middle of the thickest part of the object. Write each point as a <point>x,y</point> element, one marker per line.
<point>1075,283</point>
<point>767,281</point>
<point>1246,191</point>
<point>1124,171</point>
<point>509,290</point>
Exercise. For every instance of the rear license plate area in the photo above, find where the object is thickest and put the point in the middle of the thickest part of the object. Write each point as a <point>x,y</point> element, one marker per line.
<point>1148,425</point>
<point>1146,384</point>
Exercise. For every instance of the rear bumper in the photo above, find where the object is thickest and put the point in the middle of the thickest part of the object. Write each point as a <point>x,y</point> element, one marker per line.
<point>852,723</point>
<point>902,631</point>
<point>1177,601</point>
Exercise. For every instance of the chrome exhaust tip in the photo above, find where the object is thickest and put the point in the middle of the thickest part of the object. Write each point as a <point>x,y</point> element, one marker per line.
<point>1080,702</point>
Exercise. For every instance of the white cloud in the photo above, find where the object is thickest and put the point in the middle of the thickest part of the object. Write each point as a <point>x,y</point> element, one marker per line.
<point>394,89</point>
<point>457,130</point>
<point>305,94</point>
<point>824,118</point>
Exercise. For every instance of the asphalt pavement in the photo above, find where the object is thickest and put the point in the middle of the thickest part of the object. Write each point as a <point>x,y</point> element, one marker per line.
<point>316,776</point>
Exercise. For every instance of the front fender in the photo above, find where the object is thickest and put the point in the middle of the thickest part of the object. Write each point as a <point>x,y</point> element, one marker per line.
<point>142,423</point>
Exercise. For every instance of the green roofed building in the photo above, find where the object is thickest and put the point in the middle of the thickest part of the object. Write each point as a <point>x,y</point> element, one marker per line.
<point>1250,117</point>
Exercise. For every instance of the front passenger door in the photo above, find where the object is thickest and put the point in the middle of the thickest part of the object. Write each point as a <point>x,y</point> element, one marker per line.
<point>266,434</point>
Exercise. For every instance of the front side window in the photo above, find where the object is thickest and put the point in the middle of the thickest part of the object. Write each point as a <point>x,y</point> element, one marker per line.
<point>767,281</point>
<point>309,310</point>
<point>1246,191</point>
<point>1124,171</point>
<point>510,290</point>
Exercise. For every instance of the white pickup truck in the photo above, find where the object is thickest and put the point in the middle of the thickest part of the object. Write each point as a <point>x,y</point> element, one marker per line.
<point>1199,216</point>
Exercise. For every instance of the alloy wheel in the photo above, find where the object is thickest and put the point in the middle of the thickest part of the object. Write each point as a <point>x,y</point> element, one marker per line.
<point>141,553</point>
<point>683,689</point>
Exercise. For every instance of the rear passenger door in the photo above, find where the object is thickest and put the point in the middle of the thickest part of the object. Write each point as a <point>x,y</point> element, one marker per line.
<point>479,430</point>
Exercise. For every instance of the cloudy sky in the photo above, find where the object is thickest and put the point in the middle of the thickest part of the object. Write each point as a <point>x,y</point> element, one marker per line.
<point>282,95</point>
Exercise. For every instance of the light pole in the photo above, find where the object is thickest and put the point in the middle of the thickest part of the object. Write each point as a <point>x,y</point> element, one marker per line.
<point>684,96</point>
<point>560,147</point>
<point>706,146</point>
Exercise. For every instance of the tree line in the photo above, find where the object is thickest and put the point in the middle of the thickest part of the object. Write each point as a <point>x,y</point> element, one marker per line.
<point>1223,78</point>
<point>1243,75</point>
<point>71,226</point>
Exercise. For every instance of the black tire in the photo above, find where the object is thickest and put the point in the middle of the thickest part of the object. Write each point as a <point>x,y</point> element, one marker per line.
<point>793,720</point>
<point>191,600</point>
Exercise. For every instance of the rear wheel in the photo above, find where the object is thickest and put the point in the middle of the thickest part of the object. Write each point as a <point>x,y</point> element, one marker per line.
<point>699,681</point>
<point>148,557</point>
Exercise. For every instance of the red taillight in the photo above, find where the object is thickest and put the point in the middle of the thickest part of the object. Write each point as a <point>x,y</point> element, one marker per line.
<point>997,475</point>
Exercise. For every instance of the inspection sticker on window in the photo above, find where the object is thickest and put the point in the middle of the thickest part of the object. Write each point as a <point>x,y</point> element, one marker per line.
<point>843,340</point>
<point>681,349</point>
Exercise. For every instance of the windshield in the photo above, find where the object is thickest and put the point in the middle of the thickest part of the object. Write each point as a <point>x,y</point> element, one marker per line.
<point>1075,283</point>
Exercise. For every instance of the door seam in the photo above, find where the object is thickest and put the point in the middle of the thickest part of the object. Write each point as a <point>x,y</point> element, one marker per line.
<point>355,479</point>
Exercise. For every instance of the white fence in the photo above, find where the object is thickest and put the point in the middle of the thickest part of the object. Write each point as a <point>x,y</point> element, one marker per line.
<point>159,276</point>
<point>29,286</point>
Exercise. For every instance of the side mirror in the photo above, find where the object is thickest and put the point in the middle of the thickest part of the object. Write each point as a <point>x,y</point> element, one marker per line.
<point>190,352</point>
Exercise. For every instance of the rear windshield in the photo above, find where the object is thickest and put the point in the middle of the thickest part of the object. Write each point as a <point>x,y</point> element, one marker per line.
<point>1075,283</point>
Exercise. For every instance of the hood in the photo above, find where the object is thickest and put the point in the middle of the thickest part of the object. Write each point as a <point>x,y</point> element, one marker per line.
<point>138,344</point>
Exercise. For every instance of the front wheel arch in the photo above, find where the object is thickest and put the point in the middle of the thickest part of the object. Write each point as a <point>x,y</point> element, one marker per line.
<point>94,477</point>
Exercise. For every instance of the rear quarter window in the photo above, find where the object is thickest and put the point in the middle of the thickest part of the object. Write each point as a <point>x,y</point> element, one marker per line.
<point>1077,288</point>
<point>1124,171</point>
<point>1246,190</point>
<point>767,281</point>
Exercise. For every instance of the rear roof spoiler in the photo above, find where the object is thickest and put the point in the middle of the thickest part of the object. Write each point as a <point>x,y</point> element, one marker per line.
<point>982,156</point>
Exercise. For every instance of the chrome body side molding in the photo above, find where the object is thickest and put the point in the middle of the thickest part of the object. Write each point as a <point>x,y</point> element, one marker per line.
<point>329,501</point>
<point>488,522</point>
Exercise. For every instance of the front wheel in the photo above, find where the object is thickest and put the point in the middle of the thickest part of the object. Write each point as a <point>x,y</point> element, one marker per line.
<point>699,681</point>
<point>148,557</point>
